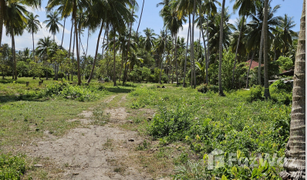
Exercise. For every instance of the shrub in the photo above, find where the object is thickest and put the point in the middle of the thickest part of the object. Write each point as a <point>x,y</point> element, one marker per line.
<point>205,88</point>
<point>172,123</point>
<point>61,75</point>
<point>63,89</point>
<point>12,167</point>
<point>281,92</point>
<point>106,79</point>
<point>285,63</point>
<point>255,93</point>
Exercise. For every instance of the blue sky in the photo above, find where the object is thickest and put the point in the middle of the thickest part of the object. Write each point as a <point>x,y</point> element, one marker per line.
<point>150,19</point>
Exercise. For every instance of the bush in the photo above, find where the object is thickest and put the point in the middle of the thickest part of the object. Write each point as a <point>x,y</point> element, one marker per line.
<point>12,167</point>
<point>143,97</point>
<point>63,89</point>
<point>173,123</point>
<point>285,63</point>
<point>255,93</point>
<point>205,88</point>
<point>281,92</point>
<point>106,79</point>
<point>61,75</point>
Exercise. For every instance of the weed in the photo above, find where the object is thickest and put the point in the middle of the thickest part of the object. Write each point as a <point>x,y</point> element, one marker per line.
<point>143,146</point>
<point>12,167</point>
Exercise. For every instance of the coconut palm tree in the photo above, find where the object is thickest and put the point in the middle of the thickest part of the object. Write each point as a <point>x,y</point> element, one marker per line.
<point>256,26</point>
<point>15,25</point>
<point>187,8</point>
<point>265,50</point>
<point>137,30</point>
<point>294,162</point>
<point>4,5</point>
<point>214,32</point>
<point>221,50</point>
<point>95,20</point>
<point>42,48</point>
<point>210,10</point>
<point>129,39</point>
<point>246,7</point>
<point>32,27</point>
<point>53,23</point>
<point>286,24</point>
<point>118,18</point>
<point>173,23</point>
<point>149,39</point>
<point>70,7</point>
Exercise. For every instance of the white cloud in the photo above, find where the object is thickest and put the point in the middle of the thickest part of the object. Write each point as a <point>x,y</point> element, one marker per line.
<point>24,41</point>
<point>184,31</point>
<point>232,21</point>
<point>34,10</point>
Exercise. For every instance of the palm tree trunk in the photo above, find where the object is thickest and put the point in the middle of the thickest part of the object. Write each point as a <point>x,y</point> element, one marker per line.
<point>97,46</point>
<point>165,43</point>
<point>81,44</point>
<point>114,63</point>
<point>236,56</point>
<point>137,30</point>
<point>88,36</point>
<point>260,54</point>
<point>77,48</point>
<point>14,55</point>
<point>186,54</point>
<point>294,162</point>
<point>122,65</point>
<point>70,39</point>
<point>102,49</point>
<point>63,32</point>
<point>107,44</point>
<point>203,36</point>
<point>192,45</point>
<point>265,52</point>
<point>128,48</point>
<point>221,51</point>
<point>249,68</point>
<point>73,56</point>
<point>2,4</point>
<point>33,47</point>
<point>208,54</point>
<point>177,80</point>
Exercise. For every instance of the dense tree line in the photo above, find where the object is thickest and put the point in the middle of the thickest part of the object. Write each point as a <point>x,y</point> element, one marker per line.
<point>180,60</point>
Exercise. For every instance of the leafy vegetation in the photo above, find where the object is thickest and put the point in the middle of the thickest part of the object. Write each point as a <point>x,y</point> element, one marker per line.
<point>241,122</point>
<point>12,167</point>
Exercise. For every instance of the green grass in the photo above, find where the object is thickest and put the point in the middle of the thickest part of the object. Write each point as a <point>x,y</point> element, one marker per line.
<point>23,119</point>
<point>206,122</point>
<point>26,112</point>
<point>199,122</point>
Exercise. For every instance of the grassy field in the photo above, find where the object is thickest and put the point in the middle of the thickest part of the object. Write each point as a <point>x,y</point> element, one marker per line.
<point>208,122</point>
<point>186,126</point>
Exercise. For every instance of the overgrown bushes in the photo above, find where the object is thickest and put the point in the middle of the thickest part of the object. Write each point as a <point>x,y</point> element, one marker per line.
<point>12,167</point>
<point>172,123</point>
<point>206,122</point>
<point>63,89</point>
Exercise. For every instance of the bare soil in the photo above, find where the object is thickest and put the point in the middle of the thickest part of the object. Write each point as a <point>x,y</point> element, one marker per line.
<point>93,152</point>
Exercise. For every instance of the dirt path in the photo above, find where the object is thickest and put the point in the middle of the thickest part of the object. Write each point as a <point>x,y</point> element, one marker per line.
<point>94,152</point>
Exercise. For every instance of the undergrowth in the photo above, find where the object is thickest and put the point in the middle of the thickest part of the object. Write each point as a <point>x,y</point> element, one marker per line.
<point>242,121</point>
<point>12,167</point>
